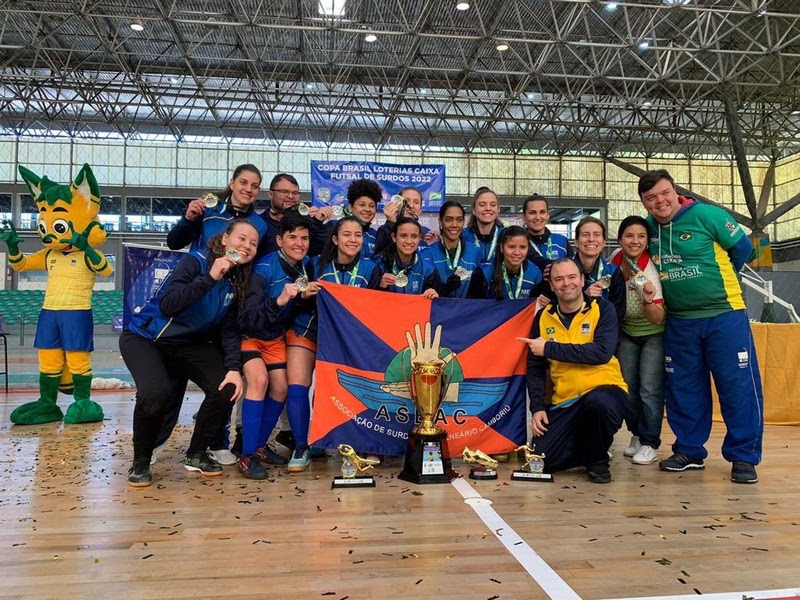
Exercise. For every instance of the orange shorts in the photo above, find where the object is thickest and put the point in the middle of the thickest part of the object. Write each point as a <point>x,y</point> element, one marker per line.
<point>272,352</point>
<point>292,339</point>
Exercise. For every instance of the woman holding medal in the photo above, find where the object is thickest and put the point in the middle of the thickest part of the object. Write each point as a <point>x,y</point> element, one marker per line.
<point>279,284</point>
<point>601,278</point>
<point>189,328</point>
<point>341,262</point>
<point>641,348</point>
<point>363,196</point>
<point>511,276</point>
<point>454,258</point>
<point>405,270</point>
<point>483,230</point>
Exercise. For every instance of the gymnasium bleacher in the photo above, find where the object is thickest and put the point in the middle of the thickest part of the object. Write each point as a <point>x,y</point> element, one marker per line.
<point>21,307</point>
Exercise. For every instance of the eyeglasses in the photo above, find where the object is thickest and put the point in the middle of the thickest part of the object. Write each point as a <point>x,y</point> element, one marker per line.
<point>286,192</point>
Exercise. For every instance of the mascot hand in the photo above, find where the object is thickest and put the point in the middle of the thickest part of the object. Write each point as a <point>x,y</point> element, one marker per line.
<point>80,241</point>
<point>9,235</point>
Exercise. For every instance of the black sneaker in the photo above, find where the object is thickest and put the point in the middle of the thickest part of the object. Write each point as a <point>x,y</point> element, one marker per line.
<point>251,467</point>
<point>743,472</point>
<point>139,474</point>
<point>599,473</point>
<point>267,455</point>
<point>202,463</point>
<point>286,438</point>
<point>681,462</point>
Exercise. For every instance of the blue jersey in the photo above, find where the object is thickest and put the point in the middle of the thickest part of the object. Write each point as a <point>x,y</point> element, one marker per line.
<point>198,233</point>
<point>187,304</point>
<point>514,288</point>
<point>486,243</point>
<point>549,246</point>
<point>261,317</point>
<point>421,274</point>
<point>469,259</point>
<point>363,273</point>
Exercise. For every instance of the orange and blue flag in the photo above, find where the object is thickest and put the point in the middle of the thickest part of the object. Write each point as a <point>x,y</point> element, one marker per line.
<point>366,342</point>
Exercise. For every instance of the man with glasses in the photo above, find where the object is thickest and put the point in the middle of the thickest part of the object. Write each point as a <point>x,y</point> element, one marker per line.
<point>284,194</point>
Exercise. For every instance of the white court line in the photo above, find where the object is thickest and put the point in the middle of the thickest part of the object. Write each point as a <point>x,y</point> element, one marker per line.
<point>537,568</point>
<point>765,594</point>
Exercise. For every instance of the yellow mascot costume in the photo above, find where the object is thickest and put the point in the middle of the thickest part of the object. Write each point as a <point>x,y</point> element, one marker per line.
<point>65,331</point>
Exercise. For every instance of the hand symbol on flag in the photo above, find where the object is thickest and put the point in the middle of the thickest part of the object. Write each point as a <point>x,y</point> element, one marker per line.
<point>425,350</point>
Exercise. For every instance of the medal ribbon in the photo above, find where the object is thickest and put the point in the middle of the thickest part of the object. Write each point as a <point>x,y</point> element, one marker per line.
<point>353,274</point>
<point>456,257</point>
<point>300,272</point>
<point>548,253</point>
<point>515,294</point>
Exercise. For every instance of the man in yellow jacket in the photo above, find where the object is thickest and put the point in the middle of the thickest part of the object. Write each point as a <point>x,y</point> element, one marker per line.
<point>575,337</point>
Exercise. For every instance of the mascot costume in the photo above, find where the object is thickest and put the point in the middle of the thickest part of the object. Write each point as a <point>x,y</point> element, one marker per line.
<point>65,331</point>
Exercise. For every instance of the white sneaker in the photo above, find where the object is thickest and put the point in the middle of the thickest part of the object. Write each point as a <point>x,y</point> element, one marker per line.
<point>633,447</point>
<point>223,457</point>
<point>156,451</point>
<point>645,456</point>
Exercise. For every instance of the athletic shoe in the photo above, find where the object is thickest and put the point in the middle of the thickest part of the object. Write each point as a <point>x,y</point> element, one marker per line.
<point>139,474</point>
<point>202,463</point>
<point>223,457</point>
<point>599,473</point>
<point>317,452</point>
<point>633,447</point>
<point>300,460</point>
<point>286,438</point>
<point>237,443</point>
<point>251,467</point>
<point>156,451</point>
<point>267,455</point>
<point>645,455</point>
<point>743,472</point>
<point>681,462</point>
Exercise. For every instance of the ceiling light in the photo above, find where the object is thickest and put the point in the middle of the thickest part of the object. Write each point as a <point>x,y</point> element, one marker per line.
<point>370,37</point>
<point>647,104</point>
<point>462,6</point>
<point>675,2</point>
<point>644,45</point>
<point>796,111</point>
<point>530,95</point>
<point>612,6</point>
<point>137,25</point>
<point>502,47</point>
<point>762,12</point>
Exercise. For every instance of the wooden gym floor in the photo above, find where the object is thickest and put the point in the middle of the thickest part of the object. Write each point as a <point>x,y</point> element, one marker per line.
<point>72,528</point>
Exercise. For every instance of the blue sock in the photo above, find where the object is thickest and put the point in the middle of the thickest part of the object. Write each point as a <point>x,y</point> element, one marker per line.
<point>269,418</point>
<point>252,411</point>
<point>299,413</point>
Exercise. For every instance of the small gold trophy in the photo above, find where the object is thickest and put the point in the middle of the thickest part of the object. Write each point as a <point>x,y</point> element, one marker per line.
<point>353,467</point>
<point>533,467</point>
<point>427,456</point>
<point>487,466</point>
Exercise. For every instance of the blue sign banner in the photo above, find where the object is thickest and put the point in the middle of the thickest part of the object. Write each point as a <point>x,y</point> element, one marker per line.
<point>331,178</point>
<point>146,267</point>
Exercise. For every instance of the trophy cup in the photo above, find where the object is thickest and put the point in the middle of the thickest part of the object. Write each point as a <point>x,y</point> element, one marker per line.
<point>427,457</point>
<point>533,467</point>
<point>487,466</point>
<point>353,467</point>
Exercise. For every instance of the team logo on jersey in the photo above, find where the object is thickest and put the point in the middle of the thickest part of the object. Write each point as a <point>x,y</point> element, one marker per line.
<point>684,237</point>
<point>744,359</point>
<point>228,298</point>
<point>585,329</point>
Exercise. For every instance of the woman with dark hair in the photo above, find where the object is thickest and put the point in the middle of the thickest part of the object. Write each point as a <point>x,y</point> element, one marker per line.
<point>453,257</point>
<point>543,243</point>
<point>511,276</point>
<point>189,329</point>
<point>601,278</point>
<point>405,270</point>
<point>363,197</point>
<point>641,347</point>
<point>341,262</point>
<point>209,216</point>
<point>409,205</point>
<point>484,227</point>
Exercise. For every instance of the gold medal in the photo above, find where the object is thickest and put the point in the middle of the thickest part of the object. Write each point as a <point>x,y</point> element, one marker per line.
<point>401,279</point>
<point>640,279</point>
<point>461,273</point>
<point>605,282</point>
<point>210,200</point>
<point>233,255</point>
<point>302,283</point>
<point>302,209</point>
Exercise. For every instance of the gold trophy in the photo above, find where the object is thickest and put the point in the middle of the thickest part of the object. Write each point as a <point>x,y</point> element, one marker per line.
<point>487,466</point>
<point>427,457</point>
<point>533,467</point>
<point>353,467</point>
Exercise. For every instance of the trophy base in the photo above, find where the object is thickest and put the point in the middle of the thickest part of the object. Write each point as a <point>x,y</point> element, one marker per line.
<point>529,476</point>
<point>427,460</point>
<point>353,482</point>
<point>482,474</point>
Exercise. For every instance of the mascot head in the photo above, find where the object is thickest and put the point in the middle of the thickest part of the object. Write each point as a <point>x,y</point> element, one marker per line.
<point>66,209</point>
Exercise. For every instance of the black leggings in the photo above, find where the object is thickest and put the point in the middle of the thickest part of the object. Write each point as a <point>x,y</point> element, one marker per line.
<point>154,367</point>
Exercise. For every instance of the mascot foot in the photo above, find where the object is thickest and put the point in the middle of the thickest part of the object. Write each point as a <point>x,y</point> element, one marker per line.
<point>83,411</point>
<point>36,413</point>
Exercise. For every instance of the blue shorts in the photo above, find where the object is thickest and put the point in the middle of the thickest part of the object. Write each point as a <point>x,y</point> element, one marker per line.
<point>65,329</point>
